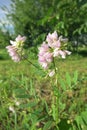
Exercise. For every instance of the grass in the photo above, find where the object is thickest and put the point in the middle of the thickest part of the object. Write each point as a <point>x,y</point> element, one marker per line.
<point>24,76</point>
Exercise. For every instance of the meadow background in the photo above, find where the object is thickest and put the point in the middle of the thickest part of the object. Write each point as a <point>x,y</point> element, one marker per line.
<point>26,92</point>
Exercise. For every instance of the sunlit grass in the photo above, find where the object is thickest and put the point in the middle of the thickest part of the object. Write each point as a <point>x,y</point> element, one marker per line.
<point>25,76</point>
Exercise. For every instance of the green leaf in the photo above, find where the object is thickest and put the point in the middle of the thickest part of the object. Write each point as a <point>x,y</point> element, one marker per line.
<point>56,91</point>
<point>62,106</point>
<point>75,78</point>
<point>46,106</point>
<point>19,90</point>
<point>72,128</point>
<point>31,104</point>
<point>63,125</point>
<point>23,96</point>
<point>38,111</point>
<point>80,123</point>
<point>84,116</point>
<point>68,79</point>
<point>48,125</point>
<point>62,83</point>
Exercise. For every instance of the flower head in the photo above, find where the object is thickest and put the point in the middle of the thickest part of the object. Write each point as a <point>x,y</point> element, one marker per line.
<point>13,53</point>
<point>51,73</point>
<point>17,103</point>
<point>11,109</point>
<point>19,38</point>
<point>54,46</point>
<point>16,48</point>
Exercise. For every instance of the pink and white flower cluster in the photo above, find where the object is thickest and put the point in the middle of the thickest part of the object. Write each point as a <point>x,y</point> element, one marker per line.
<point>15,49</point>
<point>52,47</point>
<point>45,56</point>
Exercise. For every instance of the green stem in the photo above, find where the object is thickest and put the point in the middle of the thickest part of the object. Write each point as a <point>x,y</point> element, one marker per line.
<point>57,96</point>
<point>54,65</point>
<point>31,63</point>
<point>15,120</point>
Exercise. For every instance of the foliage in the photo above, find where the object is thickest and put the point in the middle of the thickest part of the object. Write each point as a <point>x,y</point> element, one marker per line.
<point>37,17</point>
<point>4,38</point>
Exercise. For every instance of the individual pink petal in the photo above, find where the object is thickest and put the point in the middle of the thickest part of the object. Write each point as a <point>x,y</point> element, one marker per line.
<point>44,65</point>
<point>67,52</point>
<point>58,44</point>
<point>62,54</point>
<point>54,35</point>
<point>9,47</point>
<point>13,53</point>
<point>51,73</point>
<point>13,43</point>
<point>63,39</point>
<point>42,59</point>
<point>48,56</point>
<point>49,39</point>
<point>16,58</point>
<point>44,47</point>
<point>19,38</point>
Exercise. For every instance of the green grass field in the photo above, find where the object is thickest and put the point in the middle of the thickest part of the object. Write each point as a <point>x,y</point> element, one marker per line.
<point>24,83</point>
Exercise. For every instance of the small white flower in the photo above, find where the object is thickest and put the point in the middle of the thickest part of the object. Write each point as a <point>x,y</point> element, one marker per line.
<point>51,73</point>
<point>17,103</point>
<point>11,109</point>
<point>67,52</point>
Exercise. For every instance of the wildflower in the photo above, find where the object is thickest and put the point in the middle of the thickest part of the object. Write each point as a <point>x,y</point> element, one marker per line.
<point>51,73</point>
<point>11,109</point>
<point>54,46</point>
<point>16,48</point>
<point>68,122</point>
<point>17,103</point>
<point>18,41</point>
<point>13,53</point>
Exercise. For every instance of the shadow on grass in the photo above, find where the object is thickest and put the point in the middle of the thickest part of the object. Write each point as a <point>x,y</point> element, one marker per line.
<point>63,125</point>
<point>83,53</point>
<point>4,57</point>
